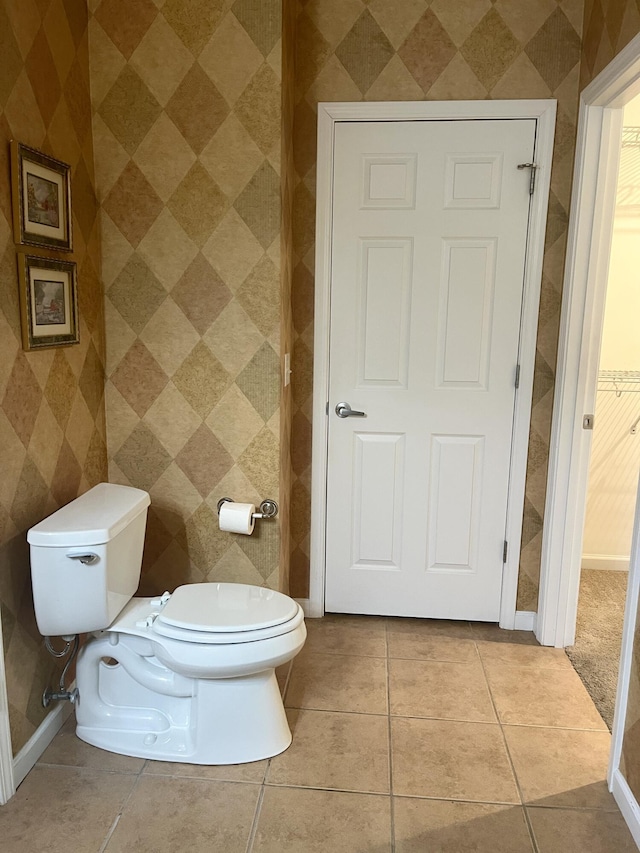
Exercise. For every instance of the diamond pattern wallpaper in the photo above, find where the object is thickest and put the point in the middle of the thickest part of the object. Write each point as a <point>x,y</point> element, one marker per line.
<point>187,121</point>
<point>52,424</point>
<point>438,50</point>
<point>194,237</point>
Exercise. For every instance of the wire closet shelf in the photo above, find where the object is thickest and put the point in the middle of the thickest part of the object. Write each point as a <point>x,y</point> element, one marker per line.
<point>619,381</point>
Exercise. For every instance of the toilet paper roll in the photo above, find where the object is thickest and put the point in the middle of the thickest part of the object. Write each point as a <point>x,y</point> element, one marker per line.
<point>236,517</point>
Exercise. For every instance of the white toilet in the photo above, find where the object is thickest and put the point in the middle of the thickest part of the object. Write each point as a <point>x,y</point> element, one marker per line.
<point>186,677</point>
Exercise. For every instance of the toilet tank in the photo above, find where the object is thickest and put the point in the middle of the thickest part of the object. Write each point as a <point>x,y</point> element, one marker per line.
<point>86,559</point>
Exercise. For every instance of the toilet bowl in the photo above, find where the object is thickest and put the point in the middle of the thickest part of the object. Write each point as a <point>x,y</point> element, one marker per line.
<point>188,676</point>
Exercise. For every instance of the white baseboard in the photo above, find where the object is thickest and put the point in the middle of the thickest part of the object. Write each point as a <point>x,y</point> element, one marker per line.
<point>309,610</point>
<point>39,741</point>
<point>627,804</point>
<point>605,562</point>
<point>525,620</point>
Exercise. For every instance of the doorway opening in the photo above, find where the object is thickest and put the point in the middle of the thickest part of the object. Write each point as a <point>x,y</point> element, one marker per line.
<point>615,449</point>
<point>593,205</point>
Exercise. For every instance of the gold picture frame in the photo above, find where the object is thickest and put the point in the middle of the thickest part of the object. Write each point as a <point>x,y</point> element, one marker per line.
<point>48,302</point>
<point>41,190</point>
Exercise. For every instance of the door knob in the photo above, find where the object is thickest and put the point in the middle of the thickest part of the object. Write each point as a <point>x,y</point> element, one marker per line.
<point>344,410</point>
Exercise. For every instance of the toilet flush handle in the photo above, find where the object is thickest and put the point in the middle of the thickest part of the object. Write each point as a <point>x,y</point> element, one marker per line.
<point>86,559</point>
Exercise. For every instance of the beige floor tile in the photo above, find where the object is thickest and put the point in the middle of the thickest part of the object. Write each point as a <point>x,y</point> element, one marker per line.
<point>493,633</point>
<point>252,772</point>
<point>530,697</point>
<point>167,814</point>
<point>451,760</point>
<point>347,635</point>
<point>58,808</point>
<point>521,654</point>
<point>444,690</point>
<point>423,826</point>
<point>338,683</point>
<point>580,831</point>
<point>67,749</point>
<point>298,820</point>
<point>429,627</point>
<point>430,647</point>
<point>560,767</point>
<point>333,750</point>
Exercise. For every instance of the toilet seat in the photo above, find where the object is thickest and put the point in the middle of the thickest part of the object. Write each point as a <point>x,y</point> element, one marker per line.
<point>226,608</point>
<point>211,614</point>
<point>217,638</point>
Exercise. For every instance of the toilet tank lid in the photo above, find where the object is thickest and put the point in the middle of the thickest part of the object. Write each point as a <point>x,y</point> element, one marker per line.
<point>94,518</point>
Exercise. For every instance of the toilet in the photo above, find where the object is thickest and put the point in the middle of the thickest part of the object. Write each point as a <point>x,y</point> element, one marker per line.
<point>188,676</point>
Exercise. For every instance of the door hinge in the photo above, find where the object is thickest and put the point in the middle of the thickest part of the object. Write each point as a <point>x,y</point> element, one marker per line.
<point>326,408</point>
<point>517,380</point>
<point>587,421</point>
<point>505,549</point>
<point>532,179</point>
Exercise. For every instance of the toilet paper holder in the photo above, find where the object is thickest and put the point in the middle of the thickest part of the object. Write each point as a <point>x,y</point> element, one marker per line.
<point>268,508</point>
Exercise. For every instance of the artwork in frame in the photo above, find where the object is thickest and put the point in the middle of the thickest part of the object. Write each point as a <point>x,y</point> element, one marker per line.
<point>48,302</point>
<point>41,189</point>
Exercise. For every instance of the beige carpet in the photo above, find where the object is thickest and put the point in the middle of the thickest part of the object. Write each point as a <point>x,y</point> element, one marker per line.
<point>596,654</point>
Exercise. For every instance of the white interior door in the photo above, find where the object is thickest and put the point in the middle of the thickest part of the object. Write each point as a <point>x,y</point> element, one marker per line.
<point>429,238</point>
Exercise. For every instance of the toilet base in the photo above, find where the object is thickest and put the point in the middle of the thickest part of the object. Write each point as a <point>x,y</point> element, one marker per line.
<point>197,721</point>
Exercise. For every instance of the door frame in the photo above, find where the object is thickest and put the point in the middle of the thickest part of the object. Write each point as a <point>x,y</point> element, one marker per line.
<point>329,114</point>
<point>582,314</point>
<point>617,783</point>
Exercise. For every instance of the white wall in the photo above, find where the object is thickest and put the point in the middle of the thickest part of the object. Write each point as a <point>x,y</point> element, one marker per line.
<point>615,455</point>
<point>621,335</point>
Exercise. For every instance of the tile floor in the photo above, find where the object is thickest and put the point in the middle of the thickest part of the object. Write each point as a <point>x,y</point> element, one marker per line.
<point>409,736</point>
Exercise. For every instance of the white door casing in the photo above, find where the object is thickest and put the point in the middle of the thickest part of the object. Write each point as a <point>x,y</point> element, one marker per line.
<point>583,296</point>
<point>543,114</point>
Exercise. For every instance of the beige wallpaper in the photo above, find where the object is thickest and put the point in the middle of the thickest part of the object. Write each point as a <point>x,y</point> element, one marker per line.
<point>608,27</point>
<point>198,137</point>
<point>52,429</point>
<point>286,274</point>
<point>187,102</point>
<point>412,50</point>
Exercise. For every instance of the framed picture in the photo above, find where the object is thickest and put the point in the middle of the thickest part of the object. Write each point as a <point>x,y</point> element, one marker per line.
<point>48,302</point>
<point>41,189</point>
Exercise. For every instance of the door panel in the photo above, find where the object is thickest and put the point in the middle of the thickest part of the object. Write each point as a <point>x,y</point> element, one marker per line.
<point>379,475</point>
<point>428,251</point>
<point>384,312</point>
<point>466,316</point>
<point>456,487</point>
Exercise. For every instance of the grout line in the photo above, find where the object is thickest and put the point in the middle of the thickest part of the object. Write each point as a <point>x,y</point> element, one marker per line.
<point>333,654</point>
<point>338,711</point>
<point>532,835</point>
<point>115,823</point>
<point>511,764</point>
<point>556,728</point>
<point>443,799</point>
<point>256,817</point>
<point>196,778</point>
<point>112,829</point>
<point>391,805</point>
<point>287,681</point>
<point>296,787</point>
<point>88,768</point>
<point>564,808</point>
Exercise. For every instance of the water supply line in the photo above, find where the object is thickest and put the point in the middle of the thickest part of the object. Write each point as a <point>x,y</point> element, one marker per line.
<point>71,647</point>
